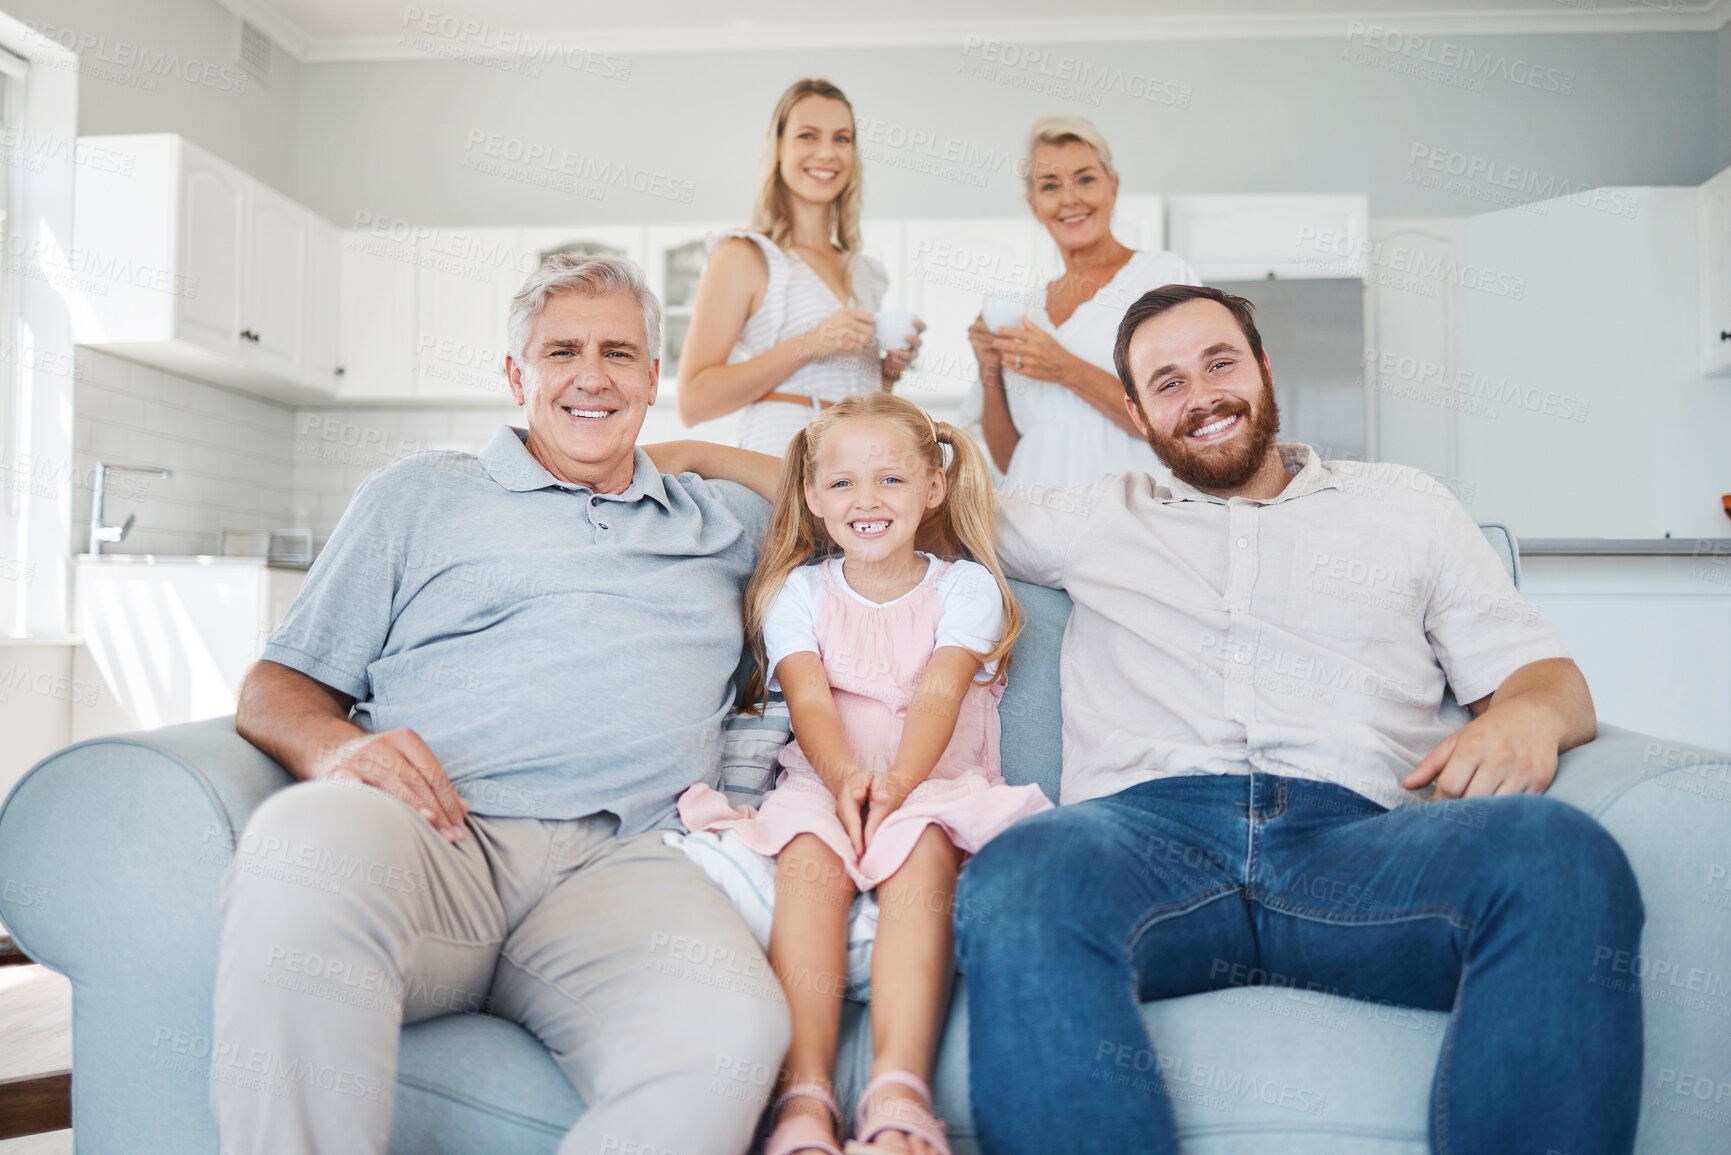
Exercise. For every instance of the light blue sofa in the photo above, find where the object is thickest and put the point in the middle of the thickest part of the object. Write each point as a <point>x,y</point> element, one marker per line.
<point>112,852</point>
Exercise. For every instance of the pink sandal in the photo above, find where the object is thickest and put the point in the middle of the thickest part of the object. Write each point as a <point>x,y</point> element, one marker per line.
<point>802,1132</point>
<point>913,1117</point>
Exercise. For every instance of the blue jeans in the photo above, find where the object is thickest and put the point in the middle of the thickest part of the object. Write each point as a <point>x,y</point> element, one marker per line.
<point>1494,908</point>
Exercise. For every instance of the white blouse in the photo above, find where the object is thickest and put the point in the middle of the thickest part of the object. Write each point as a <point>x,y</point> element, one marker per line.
<point>1064,440</point>
<point>795,300</point>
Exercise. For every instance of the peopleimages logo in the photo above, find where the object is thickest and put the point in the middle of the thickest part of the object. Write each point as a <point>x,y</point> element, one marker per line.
<point>1483,178</point>
<point>1471,62</point>
<point>1065,76</point>
<point>95,51</point>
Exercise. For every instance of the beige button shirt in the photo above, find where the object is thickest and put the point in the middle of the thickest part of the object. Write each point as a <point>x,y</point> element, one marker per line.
<point>1317,635</point>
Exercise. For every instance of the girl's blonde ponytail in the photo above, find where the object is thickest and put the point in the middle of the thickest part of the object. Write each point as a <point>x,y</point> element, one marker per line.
<point>968,517</point>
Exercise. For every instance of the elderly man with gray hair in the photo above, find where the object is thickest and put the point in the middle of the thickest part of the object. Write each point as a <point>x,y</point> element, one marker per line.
<point>499,675</point>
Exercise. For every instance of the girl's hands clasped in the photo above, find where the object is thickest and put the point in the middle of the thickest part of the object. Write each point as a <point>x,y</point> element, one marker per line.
<point>853,792</point>
<point>882,803</point>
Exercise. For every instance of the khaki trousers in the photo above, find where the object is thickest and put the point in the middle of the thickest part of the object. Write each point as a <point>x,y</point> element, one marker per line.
<point>345,915</point>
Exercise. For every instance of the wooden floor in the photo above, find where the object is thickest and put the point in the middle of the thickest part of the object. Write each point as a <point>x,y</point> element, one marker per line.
<point>35,1036</point>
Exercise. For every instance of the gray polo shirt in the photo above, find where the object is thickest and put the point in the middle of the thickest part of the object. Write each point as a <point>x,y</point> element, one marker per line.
<point>562,651</point>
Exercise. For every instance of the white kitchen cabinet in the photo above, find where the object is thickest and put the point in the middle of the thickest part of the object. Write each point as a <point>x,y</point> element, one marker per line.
<point>182,261</point>
<point>377,335</point>
<point>882,241</point>
<point>168,639</point>
<point>466,280</point>
<point>1652,635</point>
<point>276,260</point>
<point>948,268</point>
<point>1714,209</point>
<point>541,241</point>
<point>674,256</point>
<point>1247,238</point>
<point>322,302</point>
<point>211,228</point>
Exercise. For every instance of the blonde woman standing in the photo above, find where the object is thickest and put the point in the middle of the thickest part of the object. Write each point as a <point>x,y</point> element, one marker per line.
<point>790,300</point>
<point>1052,406</point>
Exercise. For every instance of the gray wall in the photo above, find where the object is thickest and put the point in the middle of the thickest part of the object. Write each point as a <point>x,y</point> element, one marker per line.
<point>1324,115</point>
<point>169,66</point>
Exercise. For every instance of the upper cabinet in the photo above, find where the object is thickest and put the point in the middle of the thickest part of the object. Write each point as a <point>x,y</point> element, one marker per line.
<point>187,263</point>
<point>1252,238</point>
<point>380,281</point>
<point>463,292</point>
<point>1714,208</point>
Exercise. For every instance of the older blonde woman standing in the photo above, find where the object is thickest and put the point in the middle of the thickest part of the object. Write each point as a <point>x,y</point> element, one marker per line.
<point>793,295</point>
<point>1052,406</point>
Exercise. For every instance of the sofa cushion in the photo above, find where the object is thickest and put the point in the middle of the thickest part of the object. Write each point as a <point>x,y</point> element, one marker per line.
<point>1252,1069</point>
<point>1033,744</point>
<point>468,1083</point>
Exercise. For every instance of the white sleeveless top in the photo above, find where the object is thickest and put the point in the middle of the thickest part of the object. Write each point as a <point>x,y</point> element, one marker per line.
<point>795,300</point>
<point>1064,440</point>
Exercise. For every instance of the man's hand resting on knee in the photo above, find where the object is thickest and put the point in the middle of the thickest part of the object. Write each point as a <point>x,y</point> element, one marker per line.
<point>1511,747</point>
<point>304,724</point>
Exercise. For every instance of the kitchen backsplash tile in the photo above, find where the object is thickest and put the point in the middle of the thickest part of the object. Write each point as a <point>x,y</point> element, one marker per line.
<point>229,453</point>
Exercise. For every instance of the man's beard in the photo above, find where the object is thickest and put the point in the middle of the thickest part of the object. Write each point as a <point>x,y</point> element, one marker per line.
<point>1209,467</point>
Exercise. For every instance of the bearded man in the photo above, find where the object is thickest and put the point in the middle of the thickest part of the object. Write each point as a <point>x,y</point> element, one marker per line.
<point>1308,728</point>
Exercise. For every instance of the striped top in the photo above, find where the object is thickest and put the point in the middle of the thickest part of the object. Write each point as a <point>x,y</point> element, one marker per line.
<point>795,300</point>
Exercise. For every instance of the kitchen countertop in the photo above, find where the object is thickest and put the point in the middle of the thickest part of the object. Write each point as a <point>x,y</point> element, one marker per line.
<point>1626,547</point>
<point>202,559</point>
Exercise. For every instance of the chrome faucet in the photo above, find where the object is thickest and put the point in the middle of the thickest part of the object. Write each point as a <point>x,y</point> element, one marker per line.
<point>100,533</point>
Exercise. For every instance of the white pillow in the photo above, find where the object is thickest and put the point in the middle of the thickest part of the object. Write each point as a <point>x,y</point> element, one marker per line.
<point>751,751</point>
<point>748,880</point>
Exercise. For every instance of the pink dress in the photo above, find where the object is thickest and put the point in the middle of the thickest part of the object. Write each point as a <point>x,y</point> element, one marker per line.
<point>875,656</point>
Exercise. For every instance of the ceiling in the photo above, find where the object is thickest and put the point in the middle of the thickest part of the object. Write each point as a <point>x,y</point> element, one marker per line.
<point>346,30</point>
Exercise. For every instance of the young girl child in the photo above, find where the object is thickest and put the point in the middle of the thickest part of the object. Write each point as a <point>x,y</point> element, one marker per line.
<point>876,605</point>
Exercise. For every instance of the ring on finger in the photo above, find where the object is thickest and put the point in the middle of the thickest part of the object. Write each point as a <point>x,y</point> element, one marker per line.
<point>1018,361</point>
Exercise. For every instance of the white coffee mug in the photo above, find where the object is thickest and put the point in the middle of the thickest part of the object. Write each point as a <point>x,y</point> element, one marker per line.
<point>895,329</point>
<point>1002,310</point>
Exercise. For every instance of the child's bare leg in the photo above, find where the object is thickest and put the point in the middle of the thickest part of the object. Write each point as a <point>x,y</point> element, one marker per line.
<point>911,967</point>
<point>808,949</point>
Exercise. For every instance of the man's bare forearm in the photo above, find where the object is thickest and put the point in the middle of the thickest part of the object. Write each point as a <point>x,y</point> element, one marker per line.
<point>293,718</point>
<point>1556,686</point>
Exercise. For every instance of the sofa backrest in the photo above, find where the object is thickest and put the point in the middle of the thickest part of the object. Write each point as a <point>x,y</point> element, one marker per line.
<point>1032,709</point>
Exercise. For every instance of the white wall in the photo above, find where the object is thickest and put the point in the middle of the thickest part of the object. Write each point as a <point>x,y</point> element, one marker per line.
<point>169,66</point>
<point>1326,115</point>
<point>230,455</point>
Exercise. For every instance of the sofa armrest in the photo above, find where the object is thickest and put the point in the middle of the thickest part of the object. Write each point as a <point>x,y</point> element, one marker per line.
<point>1669,806</point>
<point>112,854</point>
